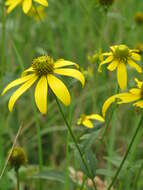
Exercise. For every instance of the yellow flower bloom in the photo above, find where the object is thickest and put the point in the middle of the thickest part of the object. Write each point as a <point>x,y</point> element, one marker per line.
<point>44,69</point>
<point>134,95</point>
<point>118,58</point>
<point>38,14</point>
<point>26,4</point>
<point>85,120</point>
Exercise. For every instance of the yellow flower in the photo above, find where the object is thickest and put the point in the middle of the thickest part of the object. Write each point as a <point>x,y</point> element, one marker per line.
<point>134,95</point>
<point>85,120</point>
<point>44,69</point>
<point>118,58</point>
<point>26,4</point>
<point>139,18</point>
<point>37,13</point>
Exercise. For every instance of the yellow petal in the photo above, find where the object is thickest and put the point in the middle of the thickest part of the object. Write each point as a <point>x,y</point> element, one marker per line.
<point>59,89</point>
<point>112,66</point>
<point>135,91</point>
<point>41,91</point>
<point>72,73</point>
<point>136,56</point>
<point>62,63</point>
<point>139,104</point>
<point>139,83</point>
<point>20,91</point>
<point>26,5</point>
<point>128,97</point>
<point>122,75</point>
<point>12,5</point>
<point>107,60</point>
<point>107,54</point>
<point>107,103</point>
<point>87,123</point>
<point>95,117</point>
<point>25,72</point>
<point>17,82</point>
<point>134,65</point>
<point>42,2</point>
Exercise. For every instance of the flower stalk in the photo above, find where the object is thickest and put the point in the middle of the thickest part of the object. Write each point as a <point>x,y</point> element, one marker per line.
<point>74,140</point>
<point>126,154</point>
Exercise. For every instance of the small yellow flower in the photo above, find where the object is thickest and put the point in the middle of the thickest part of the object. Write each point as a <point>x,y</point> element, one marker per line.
<point>85,120</point>
<point>37,13</point>
<point>139,18</point>
<point>134,95</point>
<point>26,4</point>
<point>118,58</point>
<point>17,158</point>
<point>45,70</point>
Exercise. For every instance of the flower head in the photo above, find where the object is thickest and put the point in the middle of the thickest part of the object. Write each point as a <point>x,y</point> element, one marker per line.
<point>134,95</point>
<point>26,4</point>
<point>45,71</point>
<point>118,58</point>
<point>139,18</point>
<point>85,120</point>
<point>17,158</point>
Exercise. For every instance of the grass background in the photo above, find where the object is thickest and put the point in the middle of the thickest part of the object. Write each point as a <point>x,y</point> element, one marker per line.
<point>71,30</point>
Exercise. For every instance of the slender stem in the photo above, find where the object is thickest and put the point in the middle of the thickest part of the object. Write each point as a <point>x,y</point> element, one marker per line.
<point>40,152</point>
<point>3,39</point>
<point>75,141</point>
<point>18,181</point>
<point>67,162</point>
<point>126,154</point>
<point>137,176</point>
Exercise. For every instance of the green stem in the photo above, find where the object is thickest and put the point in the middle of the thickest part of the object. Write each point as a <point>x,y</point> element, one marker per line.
<point>18,181</point>
<point>126,154</point>
<point>138,176</point>
<point>67,162</point>
<point>40,152</point>
<point>3,39</point>
<point>75,141</point>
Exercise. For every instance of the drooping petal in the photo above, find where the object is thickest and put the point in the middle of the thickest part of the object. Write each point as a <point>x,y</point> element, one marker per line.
<point>12,5</point>
<point>139,83</point>
<point>107,104</point>
<point>112,66</point>
<point>139,104</point>
<point>26,71</point>
<point>59,89</point>
<point>20,91</point>
<point>26,5</point>
<point>71,73</point>
<point>63,63</point>
<point>128,97</point>
<point>87,123</point>
<point>122,75</point>
<point>134,65</point>
<point>136,56</point>
<point>41,91</point>
<point>17,82</point>
<point>107,60</point>
<point>95,117</point>
<point>107,54</point>
<point>42,2</point>
<point>135,91</point>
